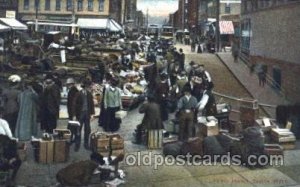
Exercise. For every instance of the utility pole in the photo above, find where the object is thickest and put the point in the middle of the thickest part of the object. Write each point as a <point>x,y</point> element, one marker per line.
<point>147,21</point>
<point>36,4</point>
<point>218,26</point>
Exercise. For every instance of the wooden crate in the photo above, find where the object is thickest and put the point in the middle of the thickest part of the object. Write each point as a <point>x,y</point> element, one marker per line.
<point>114,152</point>
<point>101,142</point>
<point>61,151</point>
<point>209,129</point>
<point>46,149</point>
<point>63,134</point>
<point>155,139</point>
<point>273,149</point>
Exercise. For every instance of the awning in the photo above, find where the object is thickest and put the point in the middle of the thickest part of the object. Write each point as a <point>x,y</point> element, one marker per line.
<point>13,24</point>
<point>53,24</point>
<point>226,27</point>
<point>101,24</point>
<point>4,28</point>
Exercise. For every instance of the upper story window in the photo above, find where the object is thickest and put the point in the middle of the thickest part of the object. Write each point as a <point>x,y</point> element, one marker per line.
<point>79,5</point>
<point>58,5</point>
<point>69,5</point>
<point>227,8</point>
<point>37,4</point>
<point>26,5</point>
<point>90,5</point>
<point>47,5</point>
<point>101,5</point>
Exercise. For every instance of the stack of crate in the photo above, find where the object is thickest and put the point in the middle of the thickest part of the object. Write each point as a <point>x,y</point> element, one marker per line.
<point>106,143</point>
<point>284,137</point>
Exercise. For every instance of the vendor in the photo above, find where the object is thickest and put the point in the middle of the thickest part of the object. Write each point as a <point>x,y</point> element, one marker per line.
<point>9,159</point>
<point>186,109</point>
<point>207,105</point>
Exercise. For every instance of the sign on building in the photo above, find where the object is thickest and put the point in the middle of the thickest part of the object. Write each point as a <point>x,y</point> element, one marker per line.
<point>10,14</point>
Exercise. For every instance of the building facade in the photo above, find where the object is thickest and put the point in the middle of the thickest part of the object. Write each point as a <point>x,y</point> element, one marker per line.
<point>8,8</point>
<point>116,10</point>
<point>62,10</point>
<point>270,37</point>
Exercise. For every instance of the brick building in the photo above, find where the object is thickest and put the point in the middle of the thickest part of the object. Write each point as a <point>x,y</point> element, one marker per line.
<point>62,10</point>
<point>270,37</point>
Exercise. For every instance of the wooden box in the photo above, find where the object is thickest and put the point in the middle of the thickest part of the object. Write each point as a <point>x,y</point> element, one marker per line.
<point>114,152</point>
<point>273,149</point>
<point>62,134</point>
<point>249,103</point>
<point>101,142</point>
<point>46,149</point>
<point>61,151</point>
<point>155,139</point>
<point>288,145</point>
<point>209,129</point>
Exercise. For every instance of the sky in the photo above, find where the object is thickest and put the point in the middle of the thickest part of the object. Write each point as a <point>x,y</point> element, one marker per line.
<point>160,8</point>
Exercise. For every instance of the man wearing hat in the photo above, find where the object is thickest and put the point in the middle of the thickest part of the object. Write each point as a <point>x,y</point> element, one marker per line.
<point>162,92</point>
<point>181,59</point>
<point>10,100</point>
<point>72,91</point>
<point>201,72</point>
<point>84,109</point>
<point>186,109</point>
<point>50,104</point>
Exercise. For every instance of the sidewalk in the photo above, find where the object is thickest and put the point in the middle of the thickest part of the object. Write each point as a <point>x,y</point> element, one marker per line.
<point>265,95</point>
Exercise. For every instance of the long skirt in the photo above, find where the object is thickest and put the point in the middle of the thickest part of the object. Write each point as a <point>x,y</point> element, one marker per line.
<point>111,124</point>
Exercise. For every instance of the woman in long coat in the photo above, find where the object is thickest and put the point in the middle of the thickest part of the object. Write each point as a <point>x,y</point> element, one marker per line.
<point>152,119</point>
<point>27,125</point>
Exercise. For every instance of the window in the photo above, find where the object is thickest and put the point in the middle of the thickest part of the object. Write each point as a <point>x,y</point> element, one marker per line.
<point>37,4</point>
<point>47,5</point>
<point>58,5</point>
<point>101,5</point>
<point>90,5</point>
<point>79,5</point>
<point>227,8</point>
<point>26,5</point>
<point>69,5</point>
<point>245,35</point>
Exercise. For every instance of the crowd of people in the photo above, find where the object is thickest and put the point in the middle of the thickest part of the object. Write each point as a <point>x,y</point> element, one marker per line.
<point>31,105</point>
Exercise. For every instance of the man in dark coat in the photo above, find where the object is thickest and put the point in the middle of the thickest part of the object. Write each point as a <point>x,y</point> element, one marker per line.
<point>71,97</point>
<point>51,103</point>
<point>181,59</point>
<point>84,109</point>
<point>162,92</point>
<point>152,119</point>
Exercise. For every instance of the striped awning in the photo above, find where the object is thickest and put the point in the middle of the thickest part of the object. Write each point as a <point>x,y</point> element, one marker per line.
<point>226,27</point>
